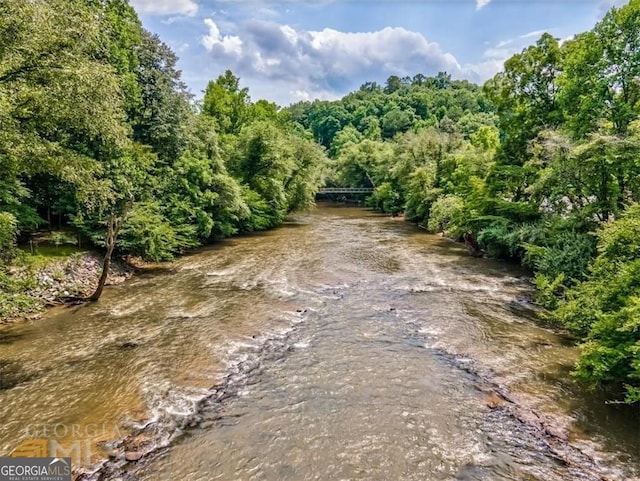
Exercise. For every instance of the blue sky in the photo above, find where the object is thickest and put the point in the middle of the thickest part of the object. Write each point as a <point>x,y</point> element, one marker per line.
<point>290,50</point>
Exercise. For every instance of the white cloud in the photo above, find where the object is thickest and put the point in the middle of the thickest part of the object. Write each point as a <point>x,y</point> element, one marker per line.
<point>166,7</point>
<point>228,44</point>
<point>287,64</point>
<point>535,33</point>
<point>482,3</point>
<point>300,94</point>
<point>484,70</point>
<point>504,43</point>
<point>497,53</point>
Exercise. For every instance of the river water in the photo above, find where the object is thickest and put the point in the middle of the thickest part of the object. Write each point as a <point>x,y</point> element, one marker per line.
<point>342,346</point>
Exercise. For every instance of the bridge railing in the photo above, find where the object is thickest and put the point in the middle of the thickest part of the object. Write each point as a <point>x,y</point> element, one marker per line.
<point>346,190</point>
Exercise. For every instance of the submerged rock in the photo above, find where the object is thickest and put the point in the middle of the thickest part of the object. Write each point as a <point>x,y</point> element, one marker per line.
<point>133,456</point>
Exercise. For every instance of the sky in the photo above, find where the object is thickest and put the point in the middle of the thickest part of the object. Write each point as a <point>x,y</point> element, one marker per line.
<point>291,50</point>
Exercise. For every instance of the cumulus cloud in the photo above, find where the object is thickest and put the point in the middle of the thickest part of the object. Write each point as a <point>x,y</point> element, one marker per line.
<point>325,63</point>
<point>166,7</point>
<point>479,72</point>
<point>216,43</point>
<point>482,3</point>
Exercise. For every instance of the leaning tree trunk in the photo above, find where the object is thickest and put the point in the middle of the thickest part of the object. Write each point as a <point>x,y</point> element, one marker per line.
<point>113,227</point>
<point>472,245</point>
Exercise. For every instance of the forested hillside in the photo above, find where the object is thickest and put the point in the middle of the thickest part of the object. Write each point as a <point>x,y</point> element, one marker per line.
<point>541,166</point>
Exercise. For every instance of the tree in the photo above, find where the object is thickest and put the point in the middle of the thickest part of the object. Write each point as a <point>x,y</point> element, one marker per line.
<point>605,307</point>
<point>164,101</point>
<point>108,195</point>
<point>619,34</point>
<point>226,102</point>
<point>526,98</point>
<point>348,135</point>
<point>396,121</point>
<point>60,107</point>
<point>363,164</point>
<point>393,84</point>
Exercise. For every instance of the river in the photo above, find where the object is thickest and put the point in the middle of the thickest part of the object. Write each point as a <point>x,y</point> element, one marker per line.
<point>344,345</point>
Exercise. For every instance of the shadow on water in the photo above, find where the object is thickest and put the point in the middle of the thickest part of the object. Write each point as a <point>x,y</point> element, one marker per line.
<point>612,423</point>
<point>13,374</point>
<point>7,336</point>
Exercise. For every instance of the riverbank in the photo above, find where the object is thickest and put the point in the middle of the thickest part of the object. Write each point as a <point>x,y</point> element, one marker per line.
<point>52,282</point>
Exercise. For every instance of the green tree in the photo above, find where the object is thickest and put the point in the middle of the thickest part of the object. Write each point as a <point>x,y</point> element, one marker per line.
<point>164,102</point>
<point>226,102</point>
<point>604,309</point>
<point>60,107</point>
<point>526,98</point>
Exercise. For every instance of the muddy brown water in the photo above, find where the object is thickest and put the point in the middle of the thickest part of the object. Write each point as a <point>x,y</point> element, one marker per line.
<point>343,346</point>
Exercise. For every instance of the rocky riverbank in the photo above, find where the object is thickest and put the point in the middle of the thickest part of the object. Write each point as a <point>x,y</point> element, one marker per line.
<point>75,276</point>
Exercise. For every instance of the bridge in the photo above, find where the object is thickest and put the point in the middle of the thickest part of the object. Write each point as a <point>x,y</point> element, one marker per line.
<point>346,190</point>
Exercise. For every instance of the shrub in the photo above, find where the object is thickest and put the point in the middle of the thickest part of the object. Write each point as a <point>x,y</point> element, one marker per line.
<point>568,254</point>
<point>8,233</point>
<point>447,215</point>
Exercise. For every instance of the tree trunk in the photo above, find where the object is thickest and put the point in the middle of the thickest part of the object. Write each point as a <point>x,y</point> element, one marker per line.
<point>373,184</point>
<point>472,245</point>
<point>106,264</point>
<point>113,227</point>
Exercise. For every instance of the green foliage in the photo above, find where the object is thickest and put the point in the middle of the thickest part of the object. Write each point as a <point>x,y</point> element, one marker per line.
<point>499,239</point>
<point>149,233</point>
<point>363,164</point>
<point>59,238</point>
<point>405,104</point>
<point>61,107</point>
<point>565,253</point>
<point>605,308</point>
<point>396,121</point>
<point>160,120</point>
<point>599,71</point>
<point>447,215</point>
<point>14,300</point>
<point>548,291</point>
<point>226,102</point>
<point>97,126</point>
<point>8,232</point>
<point>387,199</point>
<point>279,171</point>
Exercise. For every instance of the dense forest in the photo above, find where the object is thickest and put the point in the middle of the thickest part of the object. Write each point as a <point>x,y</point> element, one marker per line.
<point>539,166</point>
<point>99,133</point>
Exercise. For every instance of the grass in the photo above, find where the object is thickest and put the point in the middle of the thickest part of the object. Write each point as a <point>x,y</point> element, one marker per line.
<point>53,246</point>
<point>17,279</point>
